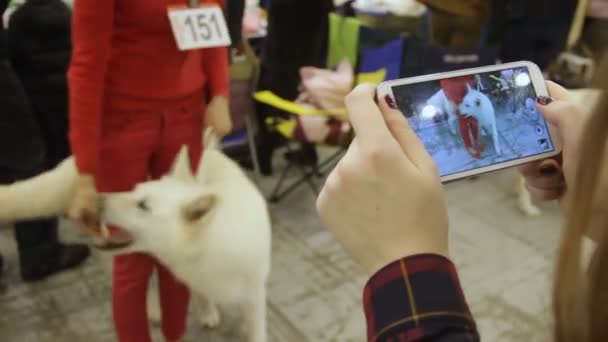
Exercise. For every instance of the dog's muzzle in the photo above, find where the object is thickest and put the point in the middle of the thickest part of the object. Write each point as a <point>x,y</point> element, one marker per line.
<point>112,246</point>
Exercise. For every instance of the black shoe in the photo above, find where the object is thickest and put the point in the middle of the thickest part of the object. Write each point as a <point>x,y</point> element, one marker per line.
<point>50,260</point>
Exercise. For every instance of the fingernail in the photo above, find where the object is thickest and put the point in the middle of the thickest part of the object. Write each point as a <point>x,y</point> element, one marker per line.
<point>544,100</point>
<point>548,170</point>
<point>390,102</point>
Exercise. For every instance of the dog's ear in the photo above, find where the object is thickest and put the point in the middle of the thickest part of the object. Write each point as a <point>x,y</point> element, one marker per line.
<point>181,166</point>
<point>199,207</point>
<point>469,87</point>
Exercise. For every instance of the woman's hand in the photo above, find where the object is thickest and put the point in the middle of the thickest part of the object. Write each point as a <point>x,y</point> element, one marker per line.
<point>548,179</point>
<point>384,200</point>
<point>85,205</point>
<point>218,116</point>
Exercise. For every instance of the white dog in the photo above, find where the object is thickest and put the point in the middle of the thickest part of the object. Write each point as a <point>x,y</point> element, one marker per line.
<point>582,97</point>
<point>212,230</point>
<point>479,106</point>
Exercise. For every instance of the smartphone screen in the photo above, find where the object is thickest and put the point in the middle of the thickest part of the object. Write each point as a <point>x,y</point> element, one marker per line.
<point>477,120</point>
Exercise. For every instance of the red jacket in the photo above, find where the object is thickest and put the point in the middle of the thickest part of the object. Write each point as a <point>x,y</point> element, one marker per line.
<point>455,88</point>
<point>124,53</point>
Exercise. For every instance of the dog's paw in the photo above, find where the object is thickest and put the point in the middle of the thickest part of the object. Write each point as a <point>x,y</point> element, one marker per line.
<point>210,318</point>
<point>530,210</point>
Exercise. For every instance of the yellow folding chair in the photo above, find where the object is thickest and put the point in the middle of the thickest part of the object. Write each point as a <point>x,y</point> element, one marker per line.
<point>287,127</point>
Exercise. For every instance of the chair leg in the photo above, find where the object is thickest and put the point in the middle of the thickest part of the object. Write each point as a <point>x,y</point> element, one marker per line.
<point>308,176</point>
<point>331,161</point>
<point>275,195</point>
<point>253,148</point>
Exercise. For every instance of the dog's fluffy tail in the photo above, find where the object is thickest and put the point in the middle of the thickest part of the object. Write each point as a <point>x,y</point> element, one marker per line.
<point>45,195</point>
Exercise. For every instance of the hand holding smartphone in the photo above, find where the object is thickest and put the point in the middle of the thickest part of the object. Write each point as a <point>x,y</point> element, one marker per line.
<point>478,120</point>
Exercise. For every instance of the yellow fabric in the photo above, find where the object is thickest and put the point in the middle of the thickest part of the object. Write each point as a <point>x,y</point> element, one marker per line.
<point>286,127</point>
<point>375,77</point>
<point>271,99</point>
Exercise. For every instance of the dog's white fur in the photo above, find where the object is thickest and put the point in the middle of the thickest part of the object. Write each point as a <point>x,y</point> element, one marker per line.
<point>479,106</point>
<point>475,104</point>
<point>212,230</point>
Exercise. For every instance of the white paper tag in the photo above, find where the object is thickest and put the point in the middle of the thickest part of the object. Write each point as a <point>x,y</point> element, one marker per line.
<point>198,28</point>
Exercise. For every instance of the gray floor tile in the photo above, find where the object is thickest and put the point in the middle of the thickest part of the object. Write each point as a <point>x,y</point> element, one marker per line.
<point>315,289</point>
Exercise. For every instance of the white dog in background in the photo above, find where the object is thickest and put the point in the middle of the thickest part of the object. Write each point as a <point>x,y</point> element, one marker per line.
<point>212,230</point>
<point>586,97</point>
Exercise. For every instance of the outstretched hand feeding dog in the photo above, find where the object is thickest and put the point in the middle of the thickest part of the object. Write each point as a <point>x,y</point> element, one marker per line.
<point>212,230</point>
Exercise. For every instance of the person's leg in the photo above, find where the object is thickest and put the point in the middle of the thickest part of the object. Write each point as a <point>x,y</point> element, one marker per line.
<point>551,41</point>
<point>518,41</point>
<point>128,140</point>
<point>595,37</point>
<point>130,278</point>
<point>441,27</point>
<point>174,301</point>
<point>463,124</point>
<point>474,128</point>
<point>182,126</point>
<point>467,32</point>
<point>40,252</point>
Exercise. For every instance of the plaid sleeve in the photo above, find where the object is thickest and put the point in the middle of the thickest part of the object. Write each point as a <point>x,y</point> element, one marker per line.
<point>418,298</point>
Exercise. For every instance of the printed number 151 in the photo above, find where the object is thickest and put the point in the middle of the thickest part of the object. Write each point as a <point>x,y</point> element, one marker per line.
<point>203,26</point>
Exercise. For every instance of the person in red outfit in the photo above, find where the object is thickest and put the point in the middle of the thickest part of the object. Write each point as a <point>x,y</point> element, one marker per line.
<point>134,100</point>
<point>455,90</point>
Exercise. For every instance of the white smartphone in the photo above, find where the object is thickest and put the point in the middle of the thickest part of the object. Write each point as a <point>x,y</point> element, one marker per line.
<point>477,120</point>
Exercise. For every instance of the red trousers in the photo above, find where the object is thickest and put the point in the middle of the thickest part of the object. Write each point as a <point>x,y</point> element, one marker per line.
<point>469,130</point>
<point>136,145</point>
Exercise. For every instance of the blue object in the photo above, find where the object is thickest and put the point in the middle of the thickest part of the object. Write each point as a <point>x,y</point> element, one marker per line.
<point>388,56</point>
<point>236,138</point>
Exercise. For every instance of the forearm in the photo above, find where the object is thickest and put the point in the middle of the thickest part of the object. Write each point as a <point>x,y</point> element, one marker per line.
<point>215,65</point>
<point>418,298</point>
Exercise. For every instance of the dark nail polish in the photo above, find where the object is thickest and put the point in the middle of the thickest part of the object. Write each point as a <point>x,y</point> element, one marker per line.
<point>390,102</point>
<point>544,100</point>
<point>548,170</point>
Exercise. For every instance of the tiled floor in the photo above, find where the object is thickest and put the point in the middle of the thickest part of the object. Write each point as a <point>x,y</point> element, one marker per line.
<point>504,261</point>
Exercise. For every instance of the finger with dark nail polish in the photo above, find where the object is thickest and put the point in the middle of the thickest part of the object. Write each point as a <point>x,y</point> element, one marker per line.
<point>544,100</point>
<point>390,102</point>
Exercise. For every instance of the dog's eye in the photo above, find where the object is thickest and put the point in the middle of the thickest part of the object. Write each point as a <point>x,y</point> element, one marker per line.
<point>142,205</point>
<point>478,103</point>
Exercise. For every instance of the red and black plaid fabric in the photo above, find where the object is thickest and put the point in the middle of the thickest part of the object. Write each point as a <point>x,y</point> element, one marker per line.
<point>418,298</point>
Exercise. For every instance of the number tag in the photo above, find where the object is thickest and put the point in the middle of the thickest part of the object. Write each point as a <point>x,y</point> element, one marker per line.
<point>197,28</point>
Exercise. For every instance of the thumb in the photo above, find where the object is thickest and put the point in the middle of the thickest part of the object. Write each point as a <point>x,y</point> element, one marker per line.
<point>404,134</point>
<point>549,109</point>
